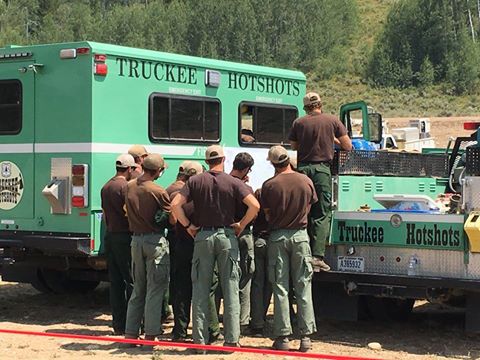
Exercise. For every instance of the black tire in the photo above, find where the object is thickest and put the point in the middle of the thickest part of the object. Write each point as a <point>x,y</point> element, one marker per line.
<point>60,283</point>
<point>38,283</point>
<point>382,309</point>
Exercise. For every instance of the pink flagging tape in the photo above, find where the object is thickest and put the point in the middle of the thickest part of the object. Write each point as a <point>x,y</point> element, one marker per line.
<point>187,345</point>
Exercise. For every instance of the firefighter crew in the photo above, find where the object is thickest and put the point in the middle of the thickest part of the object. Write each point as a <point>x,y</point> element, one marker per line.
<point>215,196</point>
<point>286,199</point>
<point>242,165</point>
<point>148,209</point>
<point>181,262</point>
<point>117,241</point>
<point>313,136</point>
<point>139,154</point>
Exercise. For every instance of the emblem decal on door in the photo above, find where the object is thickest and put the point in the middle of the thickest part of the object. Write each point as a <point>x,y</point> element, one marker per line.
<point>11,185</point>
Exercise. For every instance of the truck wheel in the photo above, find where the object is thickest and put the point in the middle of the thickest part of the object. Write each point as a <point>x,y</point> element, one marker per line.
<point>382,309</point>
<point>38,283</point>
<point>60,283</point>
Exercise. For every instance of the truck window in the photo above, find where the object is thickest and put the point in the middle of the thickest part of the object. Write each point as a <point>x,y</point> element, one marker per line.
<point>265,124</point>
<point>183,118</point>
<point>10,107</point>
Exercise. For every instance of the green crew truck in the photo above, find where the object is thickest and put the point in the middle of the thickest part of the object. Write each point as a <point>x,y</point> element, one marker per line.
<point>67,111</point>
<point>405,226</point>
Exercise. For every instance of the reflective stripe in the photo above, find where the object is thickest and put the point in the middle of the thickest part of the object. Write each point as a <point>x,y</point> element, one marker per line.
<point>106,148</point>
<point>16,148</point>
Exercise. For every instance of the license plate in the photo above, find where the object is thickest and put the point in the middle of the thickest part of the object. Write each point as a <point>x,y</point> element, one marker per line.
<point>348,263</point>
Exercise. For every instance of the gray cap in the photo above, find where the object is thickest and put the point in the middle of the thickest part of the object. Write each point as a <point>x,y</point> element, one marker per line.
<point>277,154</point>
<point>154,162</point>
<point>137,150</point>
<point>125,161</point>
<point>190,168</point>
<point>214,152</point>
<point>311,98</point>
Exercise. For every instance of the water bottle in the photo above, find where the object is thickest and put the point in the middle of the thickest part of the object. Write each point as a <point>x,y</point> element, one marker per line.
<point>413,265</point>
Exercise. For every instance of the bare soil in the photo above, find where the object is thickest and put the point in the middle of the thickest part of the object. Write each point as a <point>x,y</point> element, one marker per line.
<point>432,331</point>
<point>441,128</point>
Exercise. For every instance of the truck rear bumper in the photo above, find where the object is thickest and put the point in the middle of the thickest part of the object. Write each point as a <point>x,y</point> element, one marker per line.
<point>397,280</point>
<point>49,243</point>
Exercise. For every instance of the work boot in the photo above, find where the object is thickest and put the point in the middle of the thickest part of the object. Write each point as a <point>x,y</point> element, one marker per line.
<point>128,345</point>
<point>227,344</point>
<point>319,264</point>
<point>281,343</point>
<point>305,344</point>
<point>149,347</point>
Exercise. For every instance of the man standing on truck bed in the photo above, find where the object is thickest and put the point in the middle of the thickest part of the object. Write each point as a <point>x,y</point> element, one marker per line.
<point>314,136</point>
<point>117,241</point>
<point>148,209</point>
<point>286,199</point>
<point>215,196</point>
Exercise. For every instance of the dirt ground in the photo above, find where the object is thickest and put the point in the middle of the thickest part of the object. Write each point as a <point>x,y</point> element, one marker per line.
<point>441,128</point>
<point>432,332</point>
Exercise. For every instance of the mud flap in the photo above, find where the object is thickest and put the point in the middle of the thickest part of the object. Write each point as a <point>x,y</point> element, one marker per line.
<point>330,301</point>
<point>472,313</point>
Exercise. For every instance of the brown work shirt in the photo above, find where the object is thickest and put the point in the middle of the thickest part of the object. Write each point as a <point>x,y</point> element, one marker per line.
<point>181,232</point>
<point>287,199</point>
<point>260,225</point>
<point>143,200</point>
<point>215,197</point>
<point>113,202</point>
<point>241,208</point>
<point>315,135</point>
<point>174,188</point>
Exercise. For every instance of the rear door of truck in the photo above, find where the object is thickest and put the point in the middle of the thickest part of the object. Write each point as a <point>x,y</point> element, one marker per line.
<point>17,109</point>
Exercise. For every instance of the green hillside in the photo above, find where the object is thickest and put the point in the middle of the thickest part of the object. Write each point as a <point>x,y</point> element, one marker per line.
<point>430,101</point>
<point>332,41</point>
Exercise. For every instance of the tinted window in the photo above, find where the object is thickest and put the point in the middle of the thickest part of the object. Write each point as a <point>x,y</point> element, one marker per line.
<point>10,107</point>
<point>265,124</point>
<point>183,118</point>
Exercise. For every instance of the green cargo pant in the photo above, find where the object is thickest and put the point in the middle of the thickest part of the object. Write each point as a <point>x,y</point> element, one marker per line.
<point>289,255</point>
<point>182,292</point>
<point>218,246</point>
<point>151,273</point>
<point>119,260</point>
<point>247,266</point>
<point>261,288</point>
<point>320,212</point>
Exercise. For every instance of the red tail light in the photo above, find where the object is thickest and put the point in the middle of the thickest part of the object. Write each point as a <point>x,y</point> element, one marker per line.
<point>101,69</point>
<point>471,125</point>
<point>80,185</point>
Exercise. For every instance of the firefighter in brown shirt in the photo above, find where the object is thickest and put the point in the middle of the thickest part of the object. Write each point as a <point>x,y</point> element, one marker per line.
<point>215,196</point>
<point>313,136</point>
<point>148,209</point>
<point>117,241</point>
<point>286,199</point>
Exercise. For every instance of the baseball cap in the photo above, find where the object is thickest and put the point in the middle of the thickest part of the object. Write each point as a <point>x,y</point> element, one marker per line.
<point>190,168</point>
<point>311,98</point>
<point>154,162</point>
<point>137,150</point>
<point>277,154</point>
<point>293,161</point>
<point>125,161</point>
<point>214,152</point>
